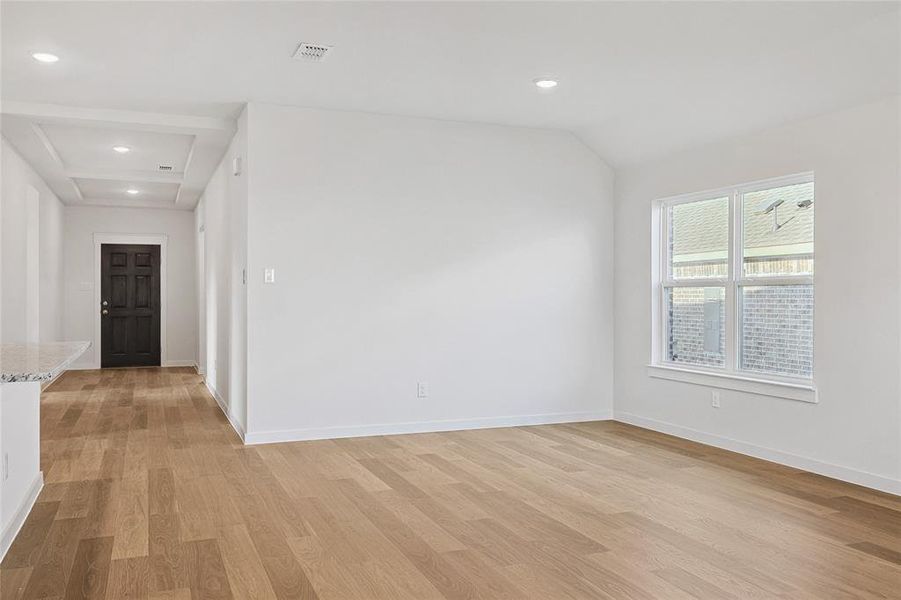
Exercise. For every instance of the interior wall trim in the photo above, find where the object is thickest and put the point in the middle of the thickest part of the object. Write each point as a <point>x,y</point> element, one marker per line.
<point>225,411</point>
<point>849,475</point>
<point>325,433</point>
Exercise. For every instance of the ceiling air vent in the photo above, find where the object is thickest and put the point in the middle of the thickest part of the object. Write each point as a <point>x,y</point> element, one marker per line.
<point>165,167</point>
<point>312,52</point>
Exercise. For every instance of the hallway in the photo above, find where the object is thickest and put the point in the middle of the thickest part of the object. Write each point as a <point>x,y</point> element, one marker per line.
<point>150,494</point>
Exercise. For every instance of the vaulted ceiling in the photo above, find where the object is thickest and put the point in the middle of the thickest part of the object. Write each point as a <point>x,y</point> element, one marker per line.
<point>637,80</point>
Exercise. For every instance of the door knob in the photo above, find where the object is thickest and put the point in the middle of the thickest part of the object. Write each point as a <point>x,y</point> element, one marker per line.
<point>104,312</point>
<point>105,303</point>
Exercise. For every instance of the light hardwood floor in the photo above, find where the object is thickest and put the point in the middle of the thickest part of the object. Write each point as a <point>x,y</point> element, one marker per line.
<point>150,494</point>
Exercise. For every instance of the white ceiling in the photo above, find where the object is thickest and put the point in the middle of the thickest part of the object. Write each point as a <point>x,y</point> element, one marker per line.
<point>89,148</point>
<point>154,193</point>
<point>637,80</point>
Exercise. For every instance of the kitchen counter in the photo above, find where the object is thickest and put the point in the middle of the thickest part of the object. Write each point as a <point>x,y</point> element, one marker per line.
<point>37,362</point>
<point>23,369</point>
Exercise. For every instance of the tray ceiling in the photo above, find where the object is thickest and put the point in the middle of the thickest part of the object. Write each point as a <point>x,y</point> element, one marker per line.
<point>169,159</point>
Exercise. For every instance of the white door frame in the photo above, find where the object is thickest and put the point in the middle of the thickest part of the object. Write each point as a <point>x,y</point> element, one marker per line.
<point>160,240</point>
<point>200,258</point>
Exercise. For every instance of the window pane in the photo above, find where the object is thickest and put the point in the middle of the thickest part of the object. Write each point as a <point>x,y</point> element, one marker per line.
<point>696,325</point>
<point>777,329</point>
<point>777,231</point>
<point>699,239</point>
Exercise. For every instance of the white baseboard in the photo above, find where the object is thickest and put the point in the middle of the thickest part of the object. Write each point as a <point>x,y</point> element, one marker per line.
<point>870,480</point>
<point>12,529</point>
<point>324,433</point>
<point>82,367</point>
<point>168,363</point>
<point>228,415</point>
<point>180,363</point>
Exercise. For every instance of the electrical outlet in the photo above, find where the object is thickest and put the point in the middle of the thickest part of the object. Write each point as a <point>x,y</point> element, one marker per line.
<point>715,398</point>
<point>5,466</point>
<point>422,390</point>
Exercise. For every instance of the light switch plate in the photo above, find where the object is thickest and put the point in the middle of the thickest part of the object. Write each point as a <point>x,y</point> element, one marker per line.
<point>269,275</point>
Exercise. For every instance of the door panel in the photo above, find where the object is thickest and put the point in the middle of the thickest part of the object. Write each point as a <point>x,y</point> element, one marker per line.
<point>142,292</point>
<point>144,335</point>
<point>118,297</point>
<point>130,288</point>
<point>118,341</point>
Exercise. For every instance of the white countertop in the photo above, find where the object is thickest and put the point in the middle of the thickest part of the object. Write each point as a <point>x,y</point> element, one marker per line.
<point>37,362</point>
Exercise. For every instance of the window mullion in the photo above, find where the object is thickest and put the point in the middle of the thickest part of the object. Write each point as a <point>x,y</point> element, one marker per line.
<point>786,280</point>
<point>733,317</point>
<point>700,282</point>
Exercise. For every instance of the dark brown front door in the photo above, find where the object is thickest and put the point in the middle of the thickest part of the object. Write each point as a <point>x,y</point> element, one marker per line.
<point>130,305</point>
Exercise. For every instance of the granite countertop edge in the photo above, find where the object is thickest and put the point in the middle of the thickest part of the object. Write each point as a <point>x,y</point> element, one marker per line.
<point>71,351</point>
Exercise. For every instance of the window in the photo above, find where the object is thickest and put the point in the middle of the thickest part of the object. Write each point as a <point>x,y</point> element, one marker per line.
<point>734,286</point>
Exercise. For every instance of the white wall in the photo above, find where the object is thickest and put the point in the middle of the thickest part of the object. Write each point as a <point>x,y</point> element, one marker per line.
<point>855,430</point>
<point>52,260</point>
<point>32,299</point>
<point>31,256</point>
<point>475,258</point>
<point>81,223</point>
<point>222,215</point>
<point>3,151</point>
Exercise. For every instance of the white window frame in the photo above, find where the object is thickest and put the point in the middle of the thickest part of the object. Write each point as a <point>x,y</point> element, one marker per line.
<point>730,376</point>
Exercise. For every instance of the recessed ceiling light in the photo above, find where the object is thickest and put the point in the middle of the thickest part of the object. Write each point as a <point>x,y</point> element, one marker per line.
<point>132,191</point>
<point>545,84</point>
<point>44,57</point>
<point>122,149</point>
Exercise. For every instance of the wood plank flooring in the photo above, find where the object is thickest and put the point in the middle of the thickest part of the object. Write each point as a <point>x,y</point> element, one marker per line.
<point>150,494</point>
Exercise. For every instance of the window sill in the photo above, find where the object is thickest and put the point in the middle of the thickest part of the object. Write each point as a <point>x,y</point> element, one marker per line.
<point>803,392</point>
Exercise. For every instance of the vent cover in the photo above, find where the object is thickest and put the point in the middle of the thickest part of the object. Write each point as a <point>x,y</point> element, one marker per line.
<point>312,52</point>
<point>165,167</point>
